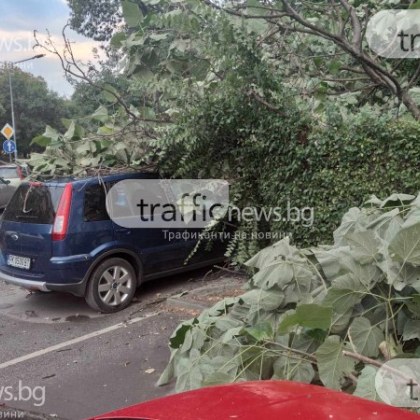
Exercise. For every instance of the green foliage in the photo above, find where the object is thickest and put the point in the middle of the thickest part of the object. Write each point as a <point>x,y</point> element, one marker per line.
<point>72,153</point>
<point>359,295</point>
<point>327,165</point>
<point>95,19</point>
<point>34,105</point>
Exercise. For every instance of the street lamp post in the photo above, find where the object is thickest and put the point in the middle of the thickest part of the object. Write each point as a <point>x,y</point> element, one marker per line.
<point>12,106</point>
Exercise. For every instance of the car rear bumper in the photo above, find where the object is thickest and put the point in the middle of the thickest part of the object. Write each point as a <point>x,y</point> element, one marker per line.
<point>77,289</point>
<point>26,284</point>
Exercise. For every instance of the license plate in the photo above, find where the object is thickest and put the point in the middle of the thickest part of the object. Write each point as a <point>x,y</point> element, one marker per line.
<point>19,262</point>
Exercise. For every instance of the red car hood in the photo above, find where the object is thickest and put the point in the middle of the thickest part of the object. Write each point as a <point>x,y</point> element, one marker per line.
<point>267,400</point>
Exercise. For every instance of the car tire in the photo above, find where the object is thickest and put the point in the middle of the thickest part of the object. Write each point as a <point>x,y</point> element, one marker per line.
<point>111,286</point>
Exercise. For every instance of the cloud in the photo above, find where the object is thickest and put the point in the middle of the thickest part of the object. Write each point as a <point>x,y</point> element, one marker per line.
<point>18,20</point>
<point>19,45</point>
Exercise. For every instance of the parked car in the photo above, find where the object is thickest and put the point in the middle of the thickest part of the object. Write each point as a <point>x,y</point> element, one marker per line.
<point>268,400</point>
<point>57,236</point>
<point>11,176</point>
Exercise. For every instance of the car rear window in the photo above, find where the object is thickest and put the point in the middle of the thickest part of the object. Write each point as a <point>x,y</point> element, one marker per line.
<point>34,203</point>
<point>9,173</point>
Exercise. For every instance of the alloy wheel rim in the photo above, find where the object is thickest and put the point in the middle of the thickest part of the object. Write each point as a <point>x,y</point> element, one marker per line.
<point>115,286</point>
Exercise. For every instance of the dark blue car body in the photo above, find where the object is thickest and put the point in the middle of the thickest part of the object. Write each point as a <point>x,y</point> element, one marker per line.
<point>91,238</point>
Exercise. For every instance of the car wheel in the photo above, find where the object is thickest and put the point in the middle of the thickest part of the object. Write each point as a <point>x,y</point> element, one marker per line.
<point>111,286</point>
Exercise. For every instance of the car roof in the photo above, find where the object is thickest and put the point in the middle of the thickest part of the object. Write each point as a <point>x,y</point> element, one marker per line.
<point>91,180</point>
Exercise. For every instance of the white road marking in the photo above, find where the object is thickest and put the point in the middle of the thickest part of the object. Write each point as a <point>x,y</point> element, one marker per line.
<point>74,341</point>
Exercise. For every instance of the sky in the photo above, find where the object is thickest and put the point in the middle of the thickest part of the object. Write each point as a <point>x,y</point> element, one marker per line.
<point>19,19</point>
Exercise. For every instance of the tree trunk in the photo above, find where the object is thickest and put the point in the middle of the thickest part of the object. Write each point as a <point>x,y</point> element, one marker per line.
<point>411,105</point>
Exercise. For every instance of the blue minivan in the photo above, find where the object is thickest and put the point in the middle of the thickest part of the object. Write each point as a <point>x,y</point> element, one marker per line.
<point>58,236</point>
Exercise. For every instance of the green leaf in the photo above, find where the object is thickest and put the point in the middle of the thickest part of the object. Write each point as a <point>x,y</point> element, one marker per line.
<point>110,94</point>
<point>106,130</point>
<point>341,300</point>
<point>159,37</point>
<point>364,246</point>
<point>118,39</point>
<point>101,114</point>
<point>131,13</point>
<point>365,337</point>
<point>144,74</point>
<point>219,378</point>
<point>41,141</point>
<point>406,245</point>
<point>272,254</point>
<point>335,66</point>
<point>286,368</point>
<point>83,148</point>
<point>147,112</point>
<point>68,135</point>
<point>310,316</point>
<point>180,44</point>
<point>273,275</point>
<point>177,340</point>
<point>397,200</point>
<point>412,330</point>
<point>260,332</point>
<point>413,305</point>
<point>51,133</point>
<point>348,224</point>
<point>332,364</point>
<point>366,387</point>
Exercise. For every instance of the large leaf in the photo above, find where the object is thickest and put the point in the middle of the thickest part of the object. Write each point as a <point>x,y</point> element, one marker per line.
<point>41,141</point>
<point>101,114</point>
<point>330,261</point>
<point>397,199</point>
<point>272,254</point>
<point>348,224</point>
<point>364,246</point>
<point>131,13</point>
<point>413,305</point>
<point>365,337</point>
<point>333,366</point>
<point>366,384</point>
<point>412,329</point>
<point>262,299</point>
<point>260,332</point>
<point>406,245</point>
<point>293,370</point>
<point>310,316</point>
<point>342,300</point>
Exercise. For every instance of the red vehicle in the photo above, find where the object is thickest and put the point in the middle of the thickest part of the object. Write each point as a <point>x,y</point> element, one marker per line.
<point>268,400</point>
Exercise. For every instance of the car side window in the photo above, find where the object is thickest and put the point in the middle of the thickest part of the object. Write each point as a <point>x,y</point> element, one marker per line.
<point>94,205</point>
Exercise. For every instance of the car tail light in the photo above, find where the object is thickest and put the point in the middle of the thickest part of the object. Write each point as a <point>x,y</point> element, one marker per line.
<point>20,173</point>
<point>61,221</point>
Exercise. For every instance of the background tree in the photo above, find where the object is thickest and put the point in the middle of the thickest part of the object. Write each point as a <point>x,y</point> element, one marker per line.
<point>100,19</point>
<point>34,104</point>
<point>95,19</point>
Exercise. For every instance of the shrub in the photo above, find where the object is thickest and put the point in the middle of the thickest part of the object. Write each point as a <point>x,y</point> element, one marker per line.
<point>271,160</point>
<point>315,315</point>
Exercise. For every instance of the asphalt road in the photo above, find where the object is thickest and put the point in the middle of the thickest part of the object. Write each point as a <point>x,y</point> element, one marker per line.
<point>75,363</point>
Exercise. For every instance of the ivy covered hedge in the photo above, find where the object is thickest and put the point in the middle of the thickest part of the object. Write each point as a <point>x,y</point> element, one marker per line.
<point>275,157</point>
<point>328,315</point>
